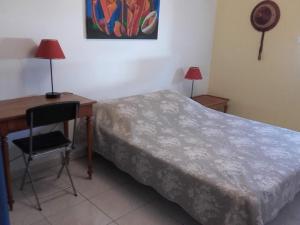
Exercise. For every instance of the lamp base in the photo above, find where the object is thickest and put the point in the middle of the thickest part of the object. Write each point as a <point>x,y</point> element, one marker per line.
<point>52,95</point>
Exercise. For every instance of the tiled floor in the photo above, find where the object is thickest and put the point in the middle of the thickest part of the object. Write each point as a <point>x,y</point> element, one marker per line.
<point>111,198</point>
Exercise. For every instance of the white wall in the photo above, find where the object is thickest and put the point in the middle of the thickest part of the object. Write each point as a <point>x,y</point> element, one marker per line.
<point>102,69</point>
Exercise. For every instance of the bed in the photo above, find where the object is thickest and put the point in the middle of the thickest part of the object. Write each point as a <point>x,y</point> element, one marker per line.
<point>222,169</point>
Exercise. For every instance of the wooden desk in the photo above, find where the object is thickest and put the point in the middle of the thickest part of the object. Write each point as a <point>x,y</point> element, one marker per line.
<point>12,119</point>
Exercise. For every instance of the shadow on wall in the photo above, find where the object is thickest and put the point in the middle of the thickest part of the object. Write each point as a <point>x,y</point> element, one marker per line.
<point>191,46</point>
<point>179,83</point>
<point>17,48</point>
<point>18,67</point>
<point>130,78</point>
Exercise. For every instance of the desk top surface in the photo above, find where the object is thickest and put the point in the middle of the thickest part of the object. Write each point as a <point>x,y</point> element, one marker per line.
<point>15,108</point>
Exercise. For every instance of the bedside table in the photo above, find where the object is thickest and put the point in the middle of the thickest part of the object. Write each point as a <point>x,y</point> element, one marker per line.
<point>213,102</point>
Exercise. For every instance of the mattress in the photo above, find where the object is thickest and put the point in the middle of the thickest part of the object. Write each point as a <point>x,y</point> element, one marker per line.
<point>222,169</point>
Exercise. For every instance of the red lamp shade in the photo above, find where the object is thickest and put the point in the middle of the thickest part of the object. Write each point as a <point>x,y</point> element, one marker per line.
<point>193,73</point>
<point>50,49</point>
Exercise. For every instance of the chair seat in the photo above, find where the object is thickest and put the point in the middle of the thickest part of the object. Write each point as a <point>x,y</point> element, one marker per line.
<point>43,143</point>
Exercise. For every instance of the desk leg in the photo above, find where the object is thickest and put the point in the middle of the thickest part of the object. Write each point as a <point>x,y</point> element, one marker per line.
<point>66,129</point>
<point>4,147</point>
<point>89,133</point>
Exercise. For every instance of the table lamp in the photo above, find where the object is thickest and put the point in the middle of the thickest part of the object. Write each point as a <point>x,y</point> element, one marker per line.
<point>50,49</point>
<point>193,74</point>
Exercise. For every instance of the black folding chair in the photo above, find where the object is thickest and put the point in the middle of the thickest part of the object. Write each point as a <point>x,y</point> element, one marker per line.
<point>35,146</point>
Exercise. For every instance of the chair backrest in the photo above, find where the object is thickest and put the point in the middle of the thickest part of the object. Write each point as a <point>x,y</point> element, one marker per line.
<point>51,113</point>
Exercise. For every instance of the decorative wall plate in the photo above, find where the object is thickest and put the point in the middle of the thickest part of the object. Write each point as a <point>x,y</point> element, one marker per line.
<point>264,17</point>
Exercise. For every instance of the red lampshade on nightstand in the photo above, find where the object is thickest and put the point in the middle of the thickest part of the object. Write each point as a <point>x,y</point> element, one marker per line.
<point>50,49</point>
<point>193,74</point>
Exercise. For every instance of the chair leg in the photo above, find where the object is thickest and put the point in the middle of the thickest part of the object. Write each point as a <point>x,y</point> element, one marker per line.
<point>32,186</point>
<point>23,180</point>
<point>25,173</point>
<point>62,165</point>
<point>67,160</point>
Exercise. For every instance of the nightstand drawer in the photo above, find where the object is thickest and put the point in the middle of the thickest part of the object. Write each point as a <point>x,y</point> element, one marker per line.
<point>220,107</point>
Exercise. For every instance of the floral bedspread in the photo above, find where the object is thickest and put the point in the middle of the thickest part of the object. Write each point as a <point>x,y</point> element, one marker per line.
<point>222,169</point>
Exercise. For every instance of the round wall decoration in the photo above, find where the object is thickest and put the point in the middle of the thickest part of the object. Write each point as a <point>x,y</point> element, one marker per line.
<point>264,17</point>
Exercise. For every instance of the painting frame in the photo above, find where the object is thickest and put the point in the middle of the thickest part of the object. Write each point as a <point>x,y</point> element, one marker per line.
<point>122,19</point>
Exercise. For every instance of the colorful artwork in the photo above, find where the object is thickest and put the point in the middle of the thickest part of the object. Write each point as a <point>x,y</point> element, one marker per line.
<point>122,19</point>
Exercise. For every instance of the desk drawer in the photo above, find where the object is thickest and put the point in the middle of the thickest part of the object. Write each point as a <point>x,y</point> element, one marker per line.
<point>20,124</point>
<point>16,125</point>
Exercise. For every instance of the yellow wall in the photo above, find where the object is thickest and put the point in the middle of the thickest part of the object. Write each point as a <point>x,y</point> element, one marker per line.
<point>267,90</point>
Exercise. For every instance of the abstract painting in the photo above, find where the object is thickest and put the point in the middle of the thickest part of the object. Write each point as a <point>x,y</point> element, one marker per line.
<point>122,19</point>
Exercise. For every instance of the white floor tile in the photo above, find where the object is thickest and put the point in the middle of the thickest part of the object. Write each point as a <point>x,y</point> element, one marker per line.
<point>103,179</point>
<point>83,214</point>
<point>41,222</point>
<point>45,183</point>
<point>87,187</point>
<point>147,215</point>
<point>174,211</point>
<point>24,213</point>
<point>102,170</point>
<point>59,201</point>
<point>123,199</point>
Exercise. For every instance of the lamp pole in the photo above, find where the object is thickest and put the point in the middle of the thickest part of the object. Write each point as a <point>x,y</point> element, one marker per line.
<point>192,88</point>
<point>51,76</point>
<point>52,94</point>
